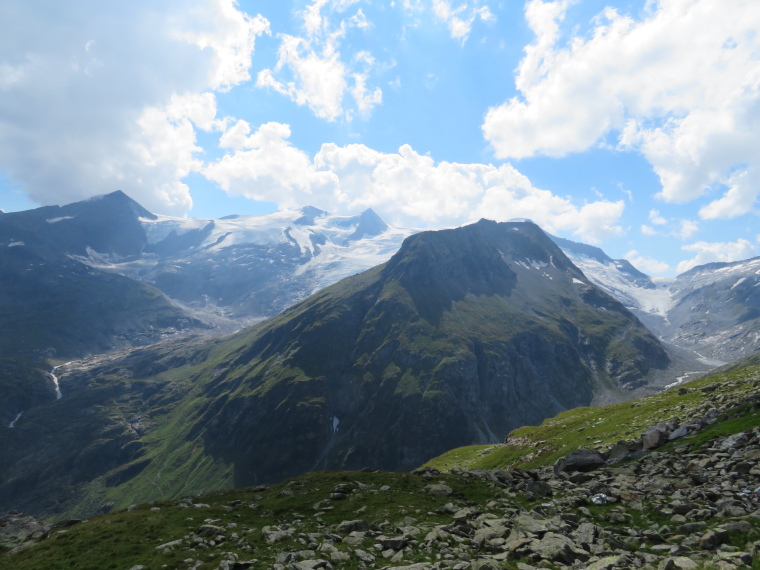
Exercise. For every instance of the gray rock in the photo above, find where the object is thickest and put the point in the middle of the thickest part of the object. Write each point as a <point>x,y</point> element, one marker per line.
<point>489,533</point>
<point>169,545</point>
<point>712,539</point>
<point>347,527</point>
<point>654,437</point>
<point>365,557</point>
<point>606,563</point>
<point>617,453</point>
<point>394,543</point>
<point>210,530</point>
<point>311,565</point>
<point>540,488</point>
<point>679,433</point>
<point>558,548</point>
<point>677,563</point>
<point>485,565</point>
<point>583,460</point>
<point>439,490</point>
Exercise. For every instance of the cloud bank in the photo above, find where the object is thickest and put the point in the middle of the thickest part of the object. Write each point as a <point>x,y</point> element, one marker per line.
<point>406,188</point>
<point>681,86</point>
<point>97,96</point>
<point>311,70</point>
<point>711,252</point>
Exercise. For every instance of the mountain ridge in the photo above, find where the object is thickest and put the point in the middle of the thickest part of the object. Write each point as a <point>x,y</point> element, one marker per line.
<point>712,310</point>
<point>461,336</point>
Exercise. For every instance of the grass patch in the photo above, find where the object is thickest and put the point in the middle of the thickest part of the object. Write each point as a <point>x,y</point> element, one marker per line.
<point>602,427</point>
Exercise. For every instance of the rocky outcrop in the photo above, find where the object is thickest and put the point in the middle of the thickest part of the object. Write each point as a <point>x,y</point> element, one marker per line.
<point>581,460</point>
<point>19,531</point>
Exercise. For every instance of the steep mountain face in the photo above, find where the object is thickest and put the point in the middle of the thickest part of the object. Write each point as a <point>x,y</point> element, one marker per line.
<point>711,309</point>
<point>716,309</point>
<point>105,273</point>
<point>51,303</point>
<point>55,307</point>
<point>462,336</point>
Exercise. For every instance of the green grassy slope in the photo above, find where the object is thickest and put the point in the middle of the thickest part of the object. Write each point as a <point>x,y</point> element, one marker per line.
<point>395,504</point>
<point>602,427</point>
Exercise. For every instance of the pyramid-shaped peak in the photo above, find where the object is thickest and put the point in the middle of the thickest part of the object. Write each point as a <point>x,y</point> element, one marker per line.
<point>370,224</point>
<point>119,200</point>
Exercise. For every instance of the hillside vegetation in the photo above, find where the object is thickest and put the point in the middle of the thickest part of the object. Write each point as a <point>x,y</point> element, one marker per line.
<point>689,504</point>
<point>602,427</point>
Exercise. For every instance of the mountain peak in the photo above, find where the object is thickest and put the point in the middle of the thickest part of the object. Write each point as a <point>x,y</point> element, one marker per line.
<point>483,258</point>
<point>370,224</point>
<point>309,214</point>
<point>119,199</point>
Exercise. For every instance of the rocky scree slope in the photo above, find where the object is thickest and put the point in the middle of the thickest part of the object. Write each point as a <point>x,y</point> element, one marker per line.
<point>691,504</point>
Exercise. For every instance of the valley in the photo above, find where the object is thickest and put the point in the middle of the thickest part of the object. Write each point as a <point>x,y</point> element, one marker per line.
<point>366,347</point>
<point>690,503</point>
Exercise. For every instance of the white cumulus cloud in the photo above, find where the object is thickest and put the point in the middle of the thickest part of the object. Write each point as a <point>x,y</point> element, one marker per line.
<point>687,229</point>
<point>104,96</point>
<point>406,188</point>
<point>312,71</point>
<point>265,166</point>
<point>648,230</point>
<point>708,252</point>
<point>459,19</point>
<point>681,86</point>
<point>656,218</point>
<point>646,264</point>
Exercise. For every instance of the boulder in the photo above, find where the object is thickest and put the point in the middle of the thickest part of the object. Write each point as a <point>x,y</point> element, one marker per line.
<point>347,527</point>
<point>439,490</point>
<point>583,460</point>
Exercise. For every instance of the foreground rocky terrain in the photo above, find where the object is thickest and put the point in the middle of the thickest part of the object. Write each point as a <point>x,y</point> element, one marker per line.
<point>691,502</point>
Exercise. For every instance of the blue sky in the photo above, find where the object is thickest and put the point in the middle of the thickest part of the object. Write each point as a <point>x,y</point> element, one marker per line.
<point>632,125</point>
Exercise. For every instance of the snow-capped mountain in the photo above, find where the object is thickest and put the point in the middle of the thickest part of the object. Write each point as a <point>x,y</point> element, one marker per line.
<point>248,267</point>
<point>712,309</point>
<point>232,271</point>
<point>636,290</point>
<point>716,309</point>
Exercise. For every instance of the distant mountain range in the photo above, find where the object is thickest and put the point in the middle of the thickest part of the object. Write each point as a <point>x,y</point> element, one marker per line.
<point>247,267</point>
<point>227,273</point>
<point>376,353</point>
<point>460,337</point>
<point>712,309</point>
